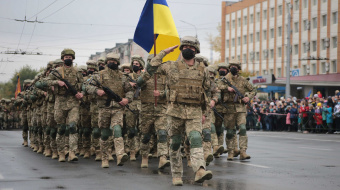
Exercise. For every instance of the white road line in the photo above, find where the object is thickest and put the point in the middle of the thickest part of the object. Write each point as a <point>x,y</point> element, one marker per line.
<point>316,148</point>
<point>259,166</point>
<point>299,138</point>
<point>1,176</point>
<point>7,189</point>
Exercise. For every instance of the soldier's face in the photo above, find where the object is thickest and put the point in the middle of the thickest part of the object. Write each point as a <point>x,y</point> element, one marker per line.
<point>126,70</point>
<point>111,61</point>
<point>136,63</point>
<point>67,57</point>
<point>189,47</point>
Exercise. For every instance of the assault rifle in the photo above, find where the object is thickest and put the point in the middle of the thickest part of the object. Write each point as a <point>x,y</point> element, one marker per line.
<point>136,95</point>
<point>218,114</point>
<point>69,87</point>
<point>238,93</point>
<point>110,94</point>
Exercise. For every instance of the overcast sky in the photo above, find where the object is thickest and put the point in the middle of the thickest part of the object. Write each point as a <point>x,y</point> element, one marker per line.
<point>88,26</point>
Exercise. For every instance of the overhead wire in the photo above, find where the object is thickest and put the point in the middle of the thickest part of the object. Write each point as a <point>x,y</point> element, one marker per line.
<point>42,9</point>
<point>58,10</point>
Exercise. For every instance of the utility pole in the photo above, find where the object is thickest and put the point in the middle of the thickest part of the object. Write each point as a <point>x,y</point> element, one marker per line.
<point>288,52</point>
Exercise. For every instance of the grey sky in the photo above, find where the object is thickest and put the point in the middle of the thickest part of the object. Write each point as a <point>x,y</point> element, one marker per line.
<point>113,21</point>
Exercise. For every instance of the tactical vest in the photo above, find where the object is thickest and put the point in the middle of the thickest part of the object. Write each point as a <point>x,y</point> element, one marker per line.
<point>239,84</point>
<point>147,96</point>
<point>113,80</point>
<point>134,77</point>
<point>188,89</point>
<point>70,74</point>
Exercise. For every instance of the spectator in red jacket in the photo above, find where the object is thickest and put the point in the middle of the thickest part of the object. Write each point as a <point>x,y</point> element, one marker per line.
<point>318,117</point>
<point>304,109</point>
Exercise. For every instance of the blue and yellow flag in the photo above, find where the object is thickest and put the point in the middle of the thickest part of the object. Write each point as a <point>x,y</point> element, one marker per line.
<point>156,19</point>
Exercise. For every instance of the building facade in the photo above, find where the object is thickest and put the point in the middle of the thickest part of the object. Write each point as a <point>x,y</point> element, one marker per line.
<point>255,32</point>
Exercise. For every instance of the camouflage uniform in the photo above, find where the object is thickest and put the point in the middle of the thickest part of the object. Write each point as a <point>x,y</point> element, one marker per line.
<point>23,114</point>
<point>2,113</point>
<point>110,119</point>
<point>236,111</point>
<point>66,108</point>
<point>185,94</point>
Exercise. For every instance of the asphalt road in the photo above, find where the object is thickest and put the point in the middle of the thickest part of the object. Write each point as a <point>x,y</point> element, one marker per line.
<point>279,160</point>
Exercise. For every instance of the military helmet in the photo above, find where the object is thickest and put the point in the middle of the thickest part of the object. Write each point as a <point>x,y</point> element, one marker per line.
<point>212,69</point>
<point>12,99</point>
<point>101,60</point>
<point>190,41</point>
<point>201,58</point>
<point>113,56</point>
<point>236,63</point>
<point>49,65</point>
<point>27,81</point>
<point>125,66</point>
<point>82,68</point>
<point>7,101</point>
<point>91,64</point>
<point>139,59</point>
<point>68,52</point>
<point>2,100</point>
<point>223,65</point>
<point>58,62</point>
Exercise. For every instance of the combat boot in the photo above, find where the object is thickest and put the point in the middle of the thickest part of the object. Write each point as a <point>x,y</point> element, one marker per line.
<point>154,155</point>
<point>62,156</point>
<point>208,158</point>
<point>202,175</point>
<point>87,154</point>
<point>230,149</point>
<point>110,156</point>
<point>98,155</point>
<point>54,155</point>
<point>145,160</point>
<point>189,161</point>
<point>92,151</point>
<point>121,159</point>
<point>66,151</point>
<point>40,150</point>
<point>35,148</point>
<point>177,181</point>
<point>105,163</point>
<point>244,155</point>
<point>77,152</point>
<point>82,152</point>
<point>163,162</point>
<point>72,156</point>
<point>230,155</point>
<point>132,155</point>
<point>236,152</point>
<point>48,153</point>
<point>217,150</point>
<point>25,143</point>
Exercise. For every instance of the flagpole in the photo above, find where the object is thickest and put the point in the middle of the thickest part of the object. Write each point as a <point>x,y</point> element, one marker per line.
<point>155,77</point>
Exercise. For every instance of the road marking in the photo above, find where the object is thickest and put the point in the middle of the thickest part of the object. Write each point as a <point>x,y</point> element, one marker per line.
<point>316,148</point>
<point>1,176</point>
<point>298,138</point>
<point>255,165</point>
<point>7,189</point>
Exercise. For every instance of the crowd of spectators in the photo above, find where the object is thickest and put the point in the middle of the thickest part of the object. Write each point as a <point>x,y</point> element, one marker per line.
<point>309,115</point>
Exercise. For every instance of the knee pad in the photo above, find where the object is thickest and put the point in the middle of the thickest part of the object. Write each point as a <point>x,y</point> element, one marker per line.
<point>131,132</point>
<point>105,133</point>
<point>213,128</point>
<point>53,133</point>
<point>219,131</point>
<point>117,129</point>
<point>96,133</point>
<point>206,135</point>
<point>195,139</point>
<point>176,141</point>
<point>230,134</point>
<point>243,130</point>
<point>87,132</point>
<point>61,129</point>
<point>162,136</point>
<point>72,128</point>
<point>146,138</point>
<point>48,130</point>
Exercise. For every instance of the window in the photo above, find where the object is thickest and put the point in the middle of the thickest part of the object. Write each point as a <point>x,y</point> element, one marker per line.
<point>324,1</point>
<point>304,69</point>
<point>233,24</point>
<point>280,10</point>
<point>315,22</point>
<point>251,38</point>
<point>279,51</point>
<point>272,33</point>
<point>227,25</point>
<point>272,12</point>
<point>238,41</point>
<point>265,14</point>
<point>244,58</point>
<point>333,66</point>
<point>315,2</point>
<point>335,41</point>
<point>227,44</point>
<point>257,56</point>
<point>264,34</point>
<point>313,69</point>
<point>233,42</point>
<point>314,45</point>
<point>238,58</point>
<point>296,49</point>
<point>324,20</point>
<point>323,44</point>
<point>296,27</point>
<point>305,3</point>
<point>279,72</point>
<point>272,53</point>
<point>323,67</point>
<point>258,17</point>
<point>305,25</point>
<point>245,20</point>
<point>296,5</point>
<point>335,17</point>
<point>271,71</point>
<point>251,18</point>
<point>227,59</point>
<point>245,39</point>
<point>257,36</point>
<point>279,31</point>
<point>239,22</point>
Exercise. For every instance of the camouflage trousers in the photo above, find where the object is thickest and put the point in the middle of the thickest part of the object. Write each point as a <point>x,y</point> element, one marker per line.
<point>37,127</point>
<point>219,129</point>
<point>178,126</point>
<point>84,141</point>
<point>67,136</point>
<point>53,132</point>
<point>94,124</point>
<point>231,120</point>
<point>132,125</point>
<point>24,124</point>
<point>46,131</point>
<point>110,122</point>
<point>150,124</point>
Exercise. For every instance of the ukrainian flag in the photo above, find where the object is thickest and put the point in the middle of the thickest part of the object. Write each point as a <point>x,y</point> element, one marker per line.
<point>156,19</point>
